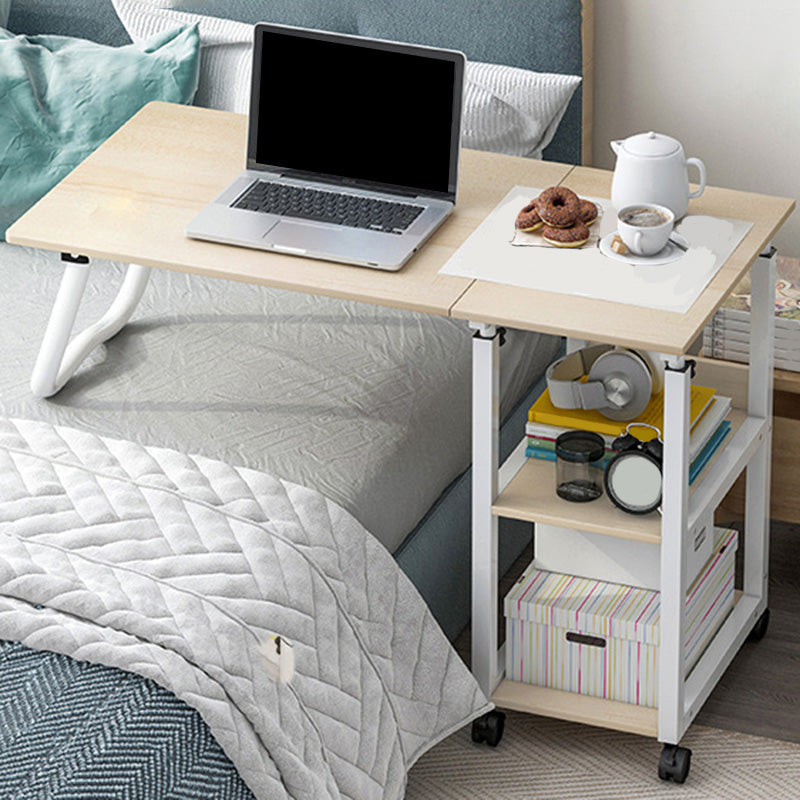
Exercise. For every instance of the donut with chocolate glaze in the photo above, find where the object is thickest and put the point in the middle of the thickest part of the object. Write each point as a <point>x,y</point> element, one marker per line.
<point>588,213</point>
<point>558,206</point>
<point>528,219</point>
<point>574,236</point>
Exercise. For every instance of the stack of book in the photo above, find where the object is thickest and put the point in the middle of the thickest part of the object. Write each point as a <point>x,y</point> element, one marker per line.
<point>708,433</point>
<point>727,336</point>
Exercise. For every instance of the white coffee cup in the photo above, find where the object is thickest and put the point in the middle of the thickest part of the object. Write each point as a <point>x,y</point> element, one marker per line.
<point>645,227</point>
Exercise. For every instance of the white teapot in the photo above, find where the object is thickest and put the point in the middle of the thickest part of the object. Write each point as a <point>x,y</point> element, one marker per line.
<point>652,168</point>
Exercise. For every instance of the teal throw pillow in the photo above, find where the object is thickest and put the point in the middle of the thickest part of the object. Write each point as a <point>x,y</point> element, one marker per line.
<point>61,98</point>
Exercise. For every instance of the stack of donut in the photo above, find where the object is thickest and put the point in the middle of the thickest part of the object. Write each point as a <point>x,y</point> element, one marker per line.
<point>560,215</point>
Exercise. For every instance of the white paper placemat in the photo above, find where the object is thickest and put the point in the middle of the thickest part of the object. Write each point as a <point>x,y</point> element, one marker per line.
<point>490,254</point>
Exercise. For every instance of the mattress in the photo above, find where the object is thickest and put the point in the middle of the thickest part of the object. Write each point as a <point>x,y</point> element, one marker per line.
<point>369,406</point>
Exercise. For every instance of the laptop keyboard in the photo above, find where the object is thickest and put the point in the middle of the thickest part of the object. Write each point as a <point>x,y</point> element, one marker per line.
<point>349,210</point>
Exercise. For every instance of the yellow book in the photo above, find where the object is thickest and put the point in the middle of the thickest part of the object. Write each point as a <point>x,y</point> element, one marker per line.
<point>545,413</point>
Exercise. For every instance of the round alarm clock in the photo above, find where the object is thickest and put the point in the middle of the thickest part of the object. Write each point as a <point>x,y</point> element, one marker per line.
<point>633,477</point>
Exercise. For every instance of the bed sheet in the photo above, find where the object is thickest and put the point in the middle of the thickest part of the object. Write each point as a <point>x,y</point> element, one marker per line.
<point>368,405</point>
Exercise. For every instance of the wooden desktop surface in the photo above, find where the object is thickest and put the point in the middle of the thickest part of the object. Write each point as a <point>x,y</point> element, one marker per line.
<point>131,200</point>
<point>616,323</point>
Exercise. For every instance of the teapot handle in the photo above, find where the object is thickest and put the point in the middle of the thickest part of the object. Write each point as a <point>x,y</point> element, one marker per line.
<point>702,168</point>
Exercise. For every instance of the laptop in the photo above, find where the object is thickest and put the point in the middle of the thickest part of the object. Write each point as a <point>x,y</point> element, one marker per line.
<point>352,152</point>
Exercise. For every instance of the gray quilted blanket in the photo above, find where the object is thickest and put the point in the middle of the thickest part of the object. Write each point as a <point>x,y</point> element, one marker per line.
<point>184,570</point>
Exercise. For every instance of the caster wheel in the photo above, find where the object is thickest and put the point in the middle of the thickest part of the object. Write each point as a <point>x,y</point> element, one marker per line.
<point>674,763</point>
<point>760,628</point>
<point>489,728</point>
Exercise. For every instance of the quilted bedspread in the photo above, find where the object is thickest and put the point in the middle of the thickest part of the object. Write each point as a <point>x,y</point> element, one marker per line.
<point>182,569</point>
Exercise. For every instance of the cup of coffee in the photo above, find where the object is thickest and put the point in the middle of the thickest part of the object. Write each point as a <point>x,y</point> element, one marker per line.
<point>645,227</point>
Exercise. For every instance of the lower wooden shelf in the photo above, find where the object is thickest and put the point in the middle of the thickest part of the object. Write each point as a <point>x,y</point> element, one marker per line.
<point>576,708</point>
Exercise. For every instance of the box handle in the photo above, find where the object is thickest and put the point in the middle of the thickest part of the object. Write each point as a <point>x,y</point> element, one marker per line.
<point>582,638</point>
<point>700,538</point>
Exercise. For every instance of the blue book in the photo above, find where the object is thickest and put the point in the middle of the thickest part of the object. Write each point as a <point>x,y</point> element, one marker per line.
<point>550,455</point>
<point>538,452</point>
<point>711,447</point>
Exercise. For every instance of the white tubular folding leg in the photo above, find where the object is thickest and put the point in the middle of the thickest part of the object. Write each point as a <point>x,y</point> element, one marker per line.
<point>58,356</point>
<point>485,463</point>
<point>677,385</point>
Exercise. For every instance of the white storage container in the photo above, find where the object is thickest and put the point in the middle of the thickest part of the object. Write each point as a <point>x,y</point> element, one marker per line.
<point>601,639</point>
<point>594,555</point>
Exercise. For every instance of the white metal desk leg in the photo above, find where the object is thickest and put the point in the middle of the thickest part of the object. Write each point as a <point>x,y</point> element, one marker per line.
<point>677,385</point>
<point>759,404</point>
<point>485,464</point>
<point>58,356</point>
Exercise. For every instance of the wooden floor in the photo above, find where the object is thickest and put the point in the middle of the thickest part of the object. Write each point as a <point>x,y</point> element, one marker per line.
<point>760,692</point>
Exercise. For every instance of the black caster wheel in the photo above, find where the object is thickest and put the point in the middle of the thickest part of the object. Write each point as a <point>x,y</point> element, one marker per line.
<point>674,763</point>
<point>489,728</point>
<point>760,628</point>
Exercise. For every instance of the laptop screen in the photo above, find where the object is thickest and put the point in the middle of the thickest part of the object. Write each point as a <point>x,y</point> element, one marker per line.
<point>366,111</point>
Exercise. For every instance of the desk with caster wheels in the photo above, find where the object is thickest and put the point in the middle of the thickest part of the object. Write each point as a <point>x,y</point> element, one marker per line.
<point>139,216</point>
<point>523,488</point>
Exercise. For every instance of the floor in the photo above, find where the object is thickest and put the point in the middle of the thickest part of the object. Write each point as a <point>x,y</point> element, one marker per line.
<point>549,759</point>
<point>760,692</point>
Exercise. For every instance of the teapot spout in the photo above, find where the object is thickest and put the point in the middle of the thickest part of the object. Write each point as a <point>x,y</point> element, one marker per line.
<point>616,146</point>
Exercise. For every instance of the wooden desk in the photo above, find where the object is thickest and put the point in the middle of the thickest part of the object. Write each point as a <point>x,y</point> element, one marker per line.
<point>131,199</point>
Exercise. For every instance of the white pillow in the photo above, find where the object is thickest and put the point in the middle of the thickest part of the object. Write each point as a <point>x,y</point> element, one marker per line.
<point>506,109</point>
<point>5,8</point>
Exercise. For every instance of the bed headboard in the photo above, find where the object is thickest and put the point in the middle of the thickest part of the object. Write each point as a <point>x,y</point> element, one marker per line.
<point>541,35</point>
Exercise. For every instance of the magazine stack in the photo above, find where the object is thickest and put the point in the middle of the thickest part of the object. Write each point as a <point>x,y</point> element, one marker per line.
<point>727,336</point>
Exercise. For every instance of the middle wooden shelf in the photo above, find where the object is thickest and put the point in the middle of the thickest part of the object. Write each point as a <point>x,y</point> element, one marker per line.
<point>530,495</point>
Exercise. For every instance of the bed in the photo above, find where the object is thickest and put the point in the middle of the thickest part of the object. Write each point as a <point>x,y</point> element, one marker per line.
<point>368,442</point>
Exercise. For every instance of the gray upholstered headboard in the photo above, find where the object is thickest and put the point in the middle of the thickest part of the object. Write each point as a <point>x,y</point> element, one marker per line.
<point>541,35</point>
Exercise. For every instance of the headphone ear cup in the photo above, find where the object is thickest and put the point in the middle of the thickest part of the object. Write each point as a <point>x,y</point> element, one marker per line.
<point>655,363</point>
<point>627,381</point>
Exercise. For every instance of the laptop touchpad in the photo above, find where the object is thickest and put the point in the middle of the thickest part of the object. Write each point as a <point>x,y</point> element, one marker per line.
<point>305,237</point>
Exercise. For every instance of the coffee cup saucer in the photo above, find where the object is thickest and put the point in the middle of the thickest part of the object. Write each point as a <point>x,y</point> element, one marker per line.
<point>671,252</point>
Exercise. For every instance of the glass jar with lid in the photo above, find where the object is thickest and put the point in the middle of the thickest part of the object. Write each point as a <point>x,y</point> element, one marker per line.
<point>579,466</point>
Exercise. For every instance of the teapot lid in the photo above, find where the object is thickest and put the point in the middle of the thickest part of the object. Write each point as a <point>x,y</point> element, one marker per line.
<point>651,144</point>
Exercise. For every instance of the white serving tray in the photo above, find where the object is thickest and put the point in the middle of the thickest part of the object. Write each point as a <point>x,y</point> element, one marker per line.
<point>490,254</point>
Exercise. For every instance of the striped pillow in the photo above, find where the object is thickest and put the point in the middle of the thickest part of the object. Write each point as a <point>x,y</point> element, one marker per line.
<point>512,110</point>
<point>506,109</point>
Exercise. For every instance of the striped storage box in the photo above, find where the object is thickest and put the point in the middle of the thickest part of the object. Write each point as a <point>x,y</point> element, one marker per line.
<point>601,639</point>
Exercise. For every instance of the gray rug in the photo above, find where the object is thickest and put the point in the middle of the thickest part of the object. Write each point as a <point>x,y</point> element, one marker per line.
<point>555,760</point>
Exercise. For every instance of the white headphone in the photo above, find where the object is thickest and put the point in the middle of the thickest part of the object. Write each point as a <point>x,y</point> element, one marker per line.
<point>619,381</point>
